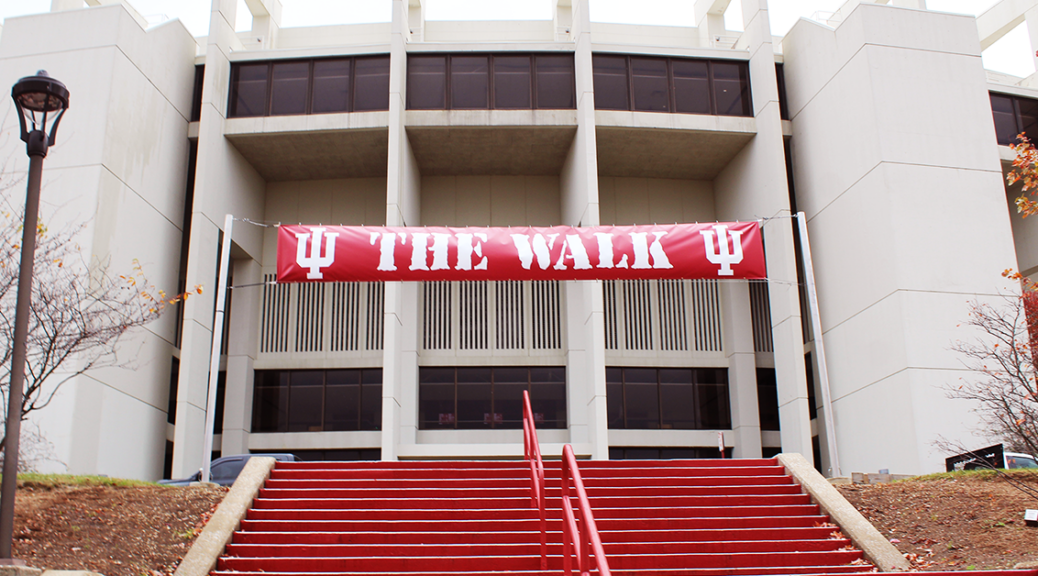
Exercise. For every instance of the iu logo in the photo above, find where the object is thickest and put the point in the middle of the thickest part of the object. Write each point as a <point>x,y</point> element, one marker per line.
<point>315,261</point>
<point>722,255</point>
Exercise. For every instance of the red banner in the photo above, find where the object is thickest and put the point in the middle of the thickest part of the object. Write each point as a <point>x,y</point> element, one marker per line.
<point>374,253</point>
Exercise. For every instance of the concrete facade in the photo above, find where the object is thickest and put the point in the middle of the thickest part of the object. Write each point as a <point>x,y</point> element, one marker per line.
<point>889,145</point>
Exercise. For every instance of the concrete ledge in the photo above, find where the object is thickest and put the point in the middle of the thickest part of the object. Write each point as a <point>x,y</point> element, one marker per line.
<point>69,573</point>
<point>863,534</point>
<point>201,558</point>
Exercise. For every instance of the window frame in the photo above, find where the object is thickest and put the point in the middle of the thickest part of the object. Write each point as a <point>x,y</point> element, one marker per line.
<point>268,94</point>
<point>559,423</point>
<point>447,82</point>
<point>672,88</point>
<point>286,407</point>
<point>697,415</point>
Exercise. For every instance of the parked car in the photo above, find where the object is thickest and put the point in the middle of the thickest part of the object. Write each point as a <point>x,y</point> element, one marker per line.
<point>1017,460</point>
<point>224,471</point>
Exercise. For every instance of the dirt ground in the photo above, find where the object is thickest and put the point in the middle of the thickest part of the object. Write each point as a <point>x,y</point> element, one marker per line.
<point>961,523</point>
<point>113,530</point>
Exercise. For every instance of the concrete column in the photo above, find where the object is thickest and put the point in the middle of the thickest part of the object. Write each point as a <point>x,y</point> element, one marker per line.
<point>742,368</point>
<point>242,344</point>
<point>403,197</point>
<point>585,335</point>
<point>562,19</point>
<point>710,20</point>
<point>1031,18</point>
<point>753,185</point>
<point>416,20</point>
<point>266,22</point>
<point>225,183</point>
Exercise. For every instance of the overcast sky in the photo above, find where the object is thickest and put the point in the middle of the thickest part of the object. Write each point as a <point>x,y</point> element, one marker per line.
<point>1011,55</point>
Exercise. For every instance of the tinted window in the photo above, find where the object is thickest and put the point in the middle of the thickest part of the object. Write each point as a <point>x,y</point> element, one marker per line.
<point>555,84</point>
<point>196,95</point>
<point>670,398</point>
<point>731,88</point>
<point>331,89</point>
<point>371,87</point>
<point>649,83</point>
<point>767,399</point>
<point>1005,119</point>
<point>610,78</point>
<point>317,400</point>
<point>691,86</point>
<point>427,82</point>
<point>470,82</point>
<point>289,82</point>
<point>227,470</point>
<point>484,398</point>
<point>512,82</point>
<point>250,90</point>
<point>1028,117</point>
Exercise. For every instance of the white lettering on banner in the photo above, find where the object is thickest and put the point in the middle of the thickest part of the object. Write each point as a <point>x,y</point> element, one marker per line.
<point>315,261</point>
<point>540,247</point>
<point>419,247</point>
<point>386,257</point>
<point>605,250</point>
<point>642,251</point>
<point>466,248</point>
<point>723,255</point>
<point>577,253</point>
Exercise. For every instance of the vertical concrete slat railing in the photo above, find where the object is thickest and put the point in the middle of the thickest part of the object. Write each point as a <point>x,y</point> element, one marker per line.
<point>585,534</point>
<point>532,454</point>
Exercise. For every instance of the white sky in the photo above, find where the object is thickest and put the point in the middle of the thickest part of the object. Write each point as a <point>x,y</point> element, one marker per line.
<point>1011,55</point>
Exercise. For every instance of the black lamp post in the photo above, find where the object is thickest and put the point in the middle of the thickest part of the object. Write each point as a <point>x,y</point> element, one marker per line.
<point>41,101</point>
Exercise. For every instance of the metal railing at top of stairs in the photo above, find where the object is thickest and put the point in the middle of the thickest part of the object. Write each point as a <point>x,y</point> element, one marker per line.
<point>532,453</point>
<point>583,536</point>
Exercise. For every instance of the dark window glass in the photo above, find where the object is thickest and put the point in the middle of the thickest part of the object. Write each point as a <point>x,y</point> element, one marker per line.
<point>371,87</point>
<point>250,90</point>
<point>649,82</point>
<point>642,453</point>
<point>270,402</point>
<point>490,397</point>
<point>174,379</point>
<point>731,88</point>
<point>691,86</point>
<point>475,400</point>
<point>1028,118</point>
<point>555,82</point>
<point>317,400</point>
<point>288,87</point>
<point>512,82</point>
<point>677,399</point>
<point>614,398</point>
<point>342,400</point>
<point>780,77</point>
<point>227,470</point>
<point>196,95</point>
<point>221,394</point>
<point>1005,119</point>
<point>470,81</point>
<point>812,399</point>
<point>305,397</point>
<point>331,91</point>
<point>641,398</point>
<point>767,399</point>
<point>610,79</point>
<point>427,82</point>
<point>371,399</point>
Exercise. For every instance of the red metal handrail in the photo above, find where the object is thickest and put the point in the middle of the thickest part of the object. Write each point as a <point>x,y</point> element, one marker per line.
<point>532,454</point>
<point>581,535</point>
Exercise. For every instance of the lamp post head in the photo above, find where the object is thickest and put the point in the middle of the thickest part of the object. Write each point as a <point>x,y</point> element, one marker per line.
<point>41,101</point>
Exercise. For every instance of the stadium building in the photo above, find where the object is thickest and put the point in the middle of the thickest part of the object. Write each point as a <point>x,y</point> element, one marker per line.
<point>880,125</point>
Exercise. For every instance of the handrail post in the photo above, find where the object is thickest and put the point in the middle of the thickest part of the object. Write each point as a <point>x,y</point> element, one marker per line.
<point>590,552</point>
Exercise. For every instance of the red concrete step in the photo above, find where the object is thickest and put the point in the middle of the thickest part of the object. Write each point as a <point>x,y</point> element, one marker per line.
<point>532,562</point>
<point>480,537</point>
<point>523,491</point>
<point>523,510</point>
<point>548,464</point>
<point>523,481</point>
<point>333,500</point>
<point>470,524</point>
<point>805,570</point>
<point>402,473</point>
<point>530,547</point>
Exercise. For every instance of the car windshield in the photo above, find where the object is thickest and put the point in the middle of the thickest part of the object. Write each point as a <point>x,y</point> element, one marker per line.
<point>1021,462</point>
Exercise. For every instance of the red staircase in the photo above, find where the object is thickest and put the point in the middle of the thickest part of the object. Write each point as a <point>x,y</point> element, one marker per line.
<point>688,517</point>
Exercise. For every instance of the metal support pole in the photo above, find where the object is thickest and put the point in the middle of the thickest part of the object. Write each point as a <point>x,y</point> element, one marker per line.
<point>9,484</point>
<point>214,357</point>
<point>816,333</point>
